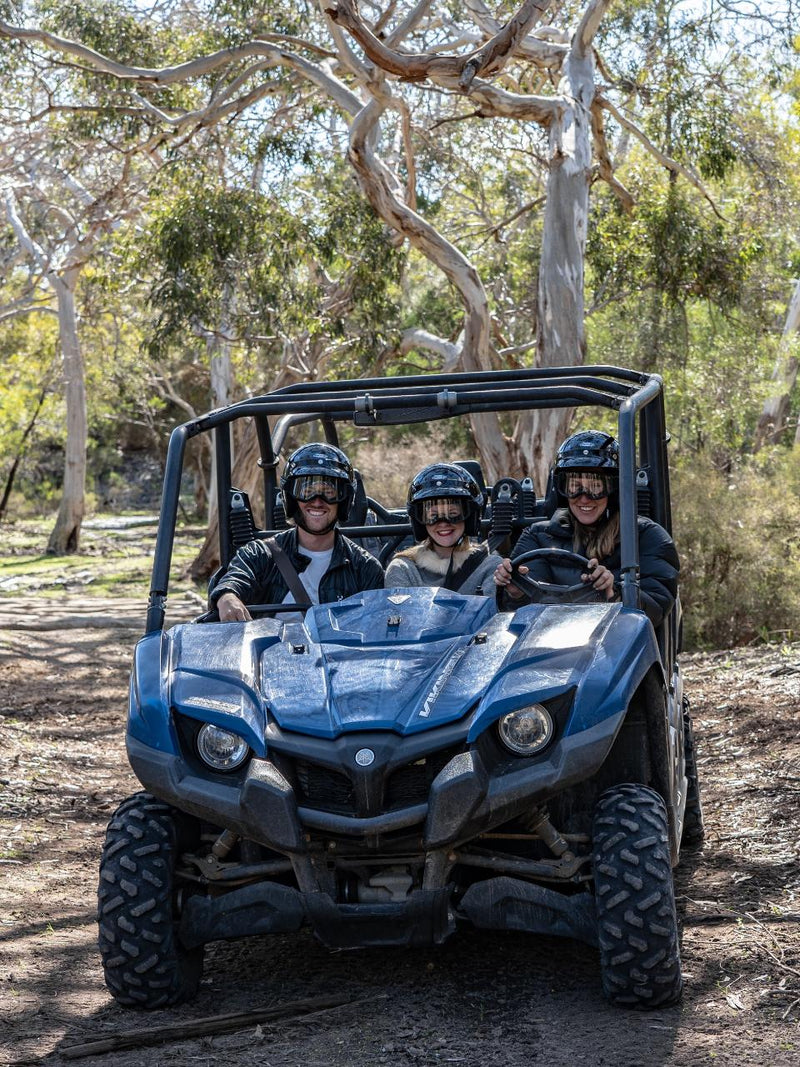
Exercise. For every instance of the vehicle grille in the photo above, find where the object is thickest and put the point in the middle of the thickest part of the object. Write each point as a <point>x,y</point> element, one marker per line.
<point>411,784</point>
<point>324,789</point>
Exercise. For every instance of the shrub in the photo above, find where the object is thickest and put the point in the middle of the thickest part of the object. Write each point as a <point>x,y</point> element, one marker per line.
<point>738,535</point>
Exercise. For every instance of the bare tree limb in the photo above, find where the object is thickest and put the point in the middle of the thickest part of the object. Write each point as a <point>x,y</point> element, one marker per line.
<point>589,25</point>
<point>604,160</point>
<point>411,67</point>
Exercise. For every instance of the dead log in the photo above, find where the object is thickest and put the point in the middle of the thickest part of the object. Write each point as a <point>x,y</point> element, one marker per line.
<point>194,1028</point>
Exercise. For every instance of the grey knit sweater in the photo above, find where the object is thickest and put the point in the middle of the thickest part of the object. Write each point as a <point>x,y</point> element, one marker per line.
<point>420,565</point>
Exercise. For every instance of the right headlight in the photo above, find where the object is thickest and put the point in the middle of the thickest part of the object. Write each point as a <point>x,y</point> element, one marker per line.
<point>222,750</point>
<point>526,731</point>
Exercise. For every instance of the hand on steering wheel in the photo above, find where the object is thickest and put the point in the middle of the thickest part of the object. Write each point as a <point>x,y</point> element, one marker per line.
<point>514,575</point>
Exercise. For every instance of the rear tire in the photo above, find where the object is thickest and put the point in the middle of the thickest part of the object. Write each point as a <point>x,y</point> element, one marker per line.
<point>693,828</point>
<point>144,962</point>
<point>635,899</point>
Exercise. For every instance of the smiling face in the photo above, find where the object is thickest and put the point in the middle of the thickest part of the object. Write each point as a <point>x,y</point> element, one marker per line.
<point>318,514</point>
<point>586,511</point>
<point>446,534</point>
<point>444,521</point>
<point>587,495</point>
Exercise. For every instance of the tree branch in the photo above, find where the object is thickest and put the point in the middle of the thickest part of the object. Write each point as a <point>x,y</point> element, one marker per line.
<point>464,69</point>
<point>589,25</point>
<point>665,161</point>
<point>604,161</point>
<point>26,241</point>
<point>193,68</point>
<point>493,56</point>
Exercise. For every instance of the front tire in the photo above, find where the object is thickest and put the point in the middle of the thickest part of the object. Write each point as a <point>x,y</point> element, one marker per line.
<point>635,899</point>
<point>144,963</point>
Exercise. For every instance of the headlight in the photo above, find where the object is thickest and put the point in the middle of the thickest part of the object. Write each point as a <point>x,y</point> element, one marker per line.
<point>221,749</point>
<point>527,730</point>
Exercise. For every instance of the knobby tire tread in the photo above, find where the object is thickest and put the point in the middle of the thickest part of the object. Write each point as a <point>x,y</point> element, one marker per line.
<point>635,899</point>
<point>144,963</point>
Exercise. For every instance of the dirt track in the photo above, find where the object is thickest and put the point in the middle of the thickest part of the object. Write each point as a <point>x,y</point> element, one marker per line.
<point>482,999</point>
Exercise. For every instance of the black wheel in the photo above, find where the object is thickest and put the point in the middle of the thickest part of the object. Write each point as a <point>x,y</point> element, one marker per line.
<point>693,829</point>
<point>635,899</point>
<point>144,962</point>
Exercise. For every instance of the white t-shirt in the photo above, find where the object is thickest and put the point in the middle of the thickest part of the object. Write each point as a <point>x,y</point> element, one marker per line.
<point>311,577</point>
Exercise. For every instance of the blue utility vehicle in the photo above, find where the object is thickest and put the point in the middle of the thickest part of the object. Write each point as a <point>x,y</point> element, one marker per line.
<point>406,762</point>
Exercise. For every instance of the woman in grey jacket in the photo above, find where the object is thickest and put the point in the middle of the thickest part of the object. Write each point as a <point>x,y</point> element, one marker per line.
<point>444,505</point>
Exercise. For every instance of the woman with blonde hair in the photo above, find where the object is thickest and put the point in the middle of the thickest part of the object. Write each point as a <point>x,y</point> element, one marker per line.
<point>586,480</point>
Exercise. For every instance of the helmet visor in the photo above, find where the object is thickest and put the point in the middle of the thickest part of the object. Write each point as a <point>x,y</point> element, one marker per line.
<point>306,487</point>
<point>441,509</point>
<point>585,483</point>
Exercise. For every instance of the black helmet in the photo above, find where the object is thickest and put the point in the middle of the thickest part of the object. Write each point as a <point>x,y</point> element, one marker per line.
<point>321,461</point>
<point>588,450</point>
<point>444,480</point>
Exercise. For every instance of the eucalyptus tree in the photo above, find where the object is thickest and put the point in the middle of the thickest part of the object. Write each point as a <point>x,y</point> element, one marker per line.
<point>294,285</point>
<point>372,75</point>
<point>72,170</point>
<point>415,94</point>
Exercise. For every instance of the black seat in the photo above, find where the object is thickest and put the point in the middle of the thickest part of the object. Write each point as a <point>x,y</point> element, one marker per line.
<point>473,467</point>
<point>357,515</point>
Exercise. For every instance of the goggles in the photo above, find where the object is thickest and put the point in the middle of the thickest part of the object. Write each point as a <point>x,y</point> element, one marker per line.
<point>443,509</point>
<point>581,483</point>
<point>306,487</point>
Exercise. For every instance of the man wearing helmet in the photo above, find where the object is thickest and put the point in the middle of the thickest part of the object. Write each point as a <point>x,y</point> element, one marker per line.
<point>586,474</point>
<point>317,487</point>
<point>444,505</point>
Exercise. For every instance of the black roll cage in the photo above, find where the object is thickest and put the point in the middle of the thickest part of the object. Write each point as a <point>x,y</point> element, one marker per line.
<point>425,398</point>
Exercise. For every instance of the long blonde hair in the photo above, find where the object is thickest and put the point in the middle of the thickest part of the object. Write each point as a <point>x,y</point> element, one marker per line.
<point>598,541</point>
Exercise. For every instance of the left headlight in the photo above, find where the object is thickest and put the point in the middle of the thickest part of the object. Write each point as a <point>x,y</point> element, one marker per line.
<point>527,730</point>
<point>221,749</point>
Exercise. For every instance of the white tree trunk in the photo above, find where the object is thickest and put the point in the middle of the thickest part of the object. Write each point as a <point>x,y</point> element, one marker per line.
<point>219,348</point>
<point>66,532</point>
<point>561,339</point>
<point>774,415</point>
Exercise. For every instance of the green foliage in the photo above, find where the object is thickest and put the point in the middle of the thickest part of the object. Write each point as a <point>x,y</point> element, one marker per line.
<point>673,245</point>
<point>114,28</point>
<point>210,242</point>
<point>27,364</point>
<point>738,535</point>
<point>222,256</point>
<point>238,19</point>
<point>108,27</point>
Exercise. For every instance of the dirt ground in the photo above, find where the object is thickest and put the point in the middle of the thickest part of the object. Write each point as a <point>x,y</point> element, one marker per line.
<point>486,999</point>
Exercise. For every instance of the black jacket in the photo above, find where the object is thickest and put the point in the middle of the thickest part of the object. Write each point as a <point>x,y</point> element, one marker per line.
<point>658,561</point>
<point>253,576</point>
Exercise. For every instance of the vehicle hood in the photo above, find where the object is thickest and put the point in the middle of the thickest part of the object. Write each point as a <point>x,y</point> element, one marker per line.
<point>399,660</point>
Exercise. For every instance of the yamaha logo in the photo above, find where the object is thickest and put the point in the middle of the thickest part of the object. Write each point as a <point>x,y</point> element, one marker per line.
<point>364,757</point>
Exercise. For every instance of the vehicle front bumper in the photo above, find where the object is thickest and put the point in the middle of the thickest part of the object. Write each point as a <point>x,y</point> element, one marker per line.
<point>465,798</point>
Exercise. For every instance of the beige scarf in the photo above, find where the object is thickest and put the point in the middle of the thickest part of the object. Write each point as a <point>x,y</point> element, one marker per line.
<point>424,556</point>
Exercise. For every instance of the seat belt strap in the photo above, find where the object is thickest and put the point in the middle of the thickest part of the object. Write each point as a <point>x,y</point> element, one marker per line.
<point>289,574</point>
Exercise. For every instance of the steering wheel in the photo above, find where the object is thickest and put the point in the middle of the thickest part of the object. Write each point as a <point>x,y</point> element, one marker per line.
<point>534,588</point>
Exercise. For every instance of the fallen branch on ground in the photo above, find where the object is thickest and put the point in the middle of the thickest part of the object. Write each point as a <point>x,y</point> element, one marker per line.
<point>208,1024</point>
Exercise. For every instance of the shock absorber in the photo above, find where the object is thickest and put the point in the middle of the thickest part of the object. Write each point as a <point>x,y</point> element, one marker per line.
<point>504,495</point>
<point>538,822</point>
<point>528,496</point>
<point>241,522</point>
<point>279,514</point>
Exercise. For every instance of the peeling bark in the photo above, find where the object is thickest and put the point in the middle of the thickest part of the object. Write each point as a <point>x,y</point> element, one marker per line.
<point>66,532</point>
<point>381,189</point>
